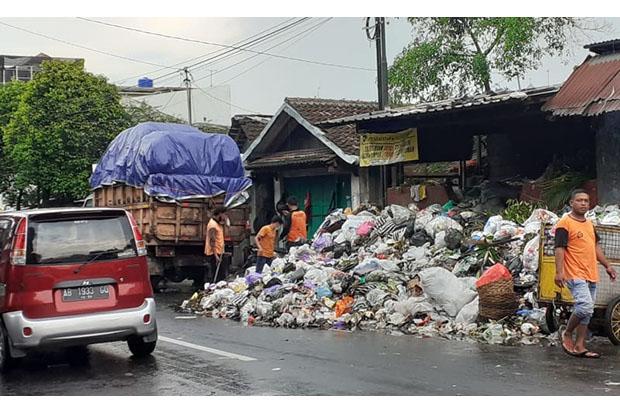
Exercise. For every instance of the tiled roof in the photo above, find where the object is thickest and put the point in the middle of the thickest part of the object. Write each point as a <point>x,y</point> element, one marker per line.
<point>345,137</point>
<point>296,157</point>
<point>245,128</point>
<point>316,110</point>
<point>593,88</point>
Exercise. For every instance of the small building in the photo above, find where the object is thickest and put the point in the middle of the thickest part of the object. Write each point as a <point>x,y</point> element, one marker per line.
<point>23,68</point>
<point>301,153</point>
<point>509,127</point>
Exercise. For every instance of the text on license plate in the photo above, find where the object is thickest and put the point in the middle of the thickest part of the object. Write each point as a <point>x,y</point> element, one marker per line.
<point>96,292</point>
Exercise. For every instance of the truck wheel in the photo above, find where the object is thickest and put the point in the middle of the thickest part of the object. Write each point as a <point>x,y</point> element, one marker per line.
<point>6,361</point>
<point>552,320</point>
<point>612,321</point>
<point>155,282</point>
<point>139,348</point>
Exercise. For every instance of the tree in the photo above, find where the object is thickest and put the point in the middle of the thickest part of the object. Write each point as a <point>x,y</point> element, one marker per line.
<point>65,119</point>
<point>10,95</point>
<point>456,56</point>
<point>139,112</point>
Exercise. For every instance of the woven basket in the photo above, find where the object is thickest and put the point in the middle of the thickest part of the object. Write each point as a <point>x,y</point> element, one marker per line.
<point>497,300</point>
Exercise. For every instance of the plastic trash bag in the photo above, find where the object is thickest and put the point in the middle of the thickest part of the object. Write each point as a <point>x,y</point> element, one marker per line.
<point>343,306</point>
<point>531,255</point>
<point>492,225</point>
<point>252,278</point>
<point>469,312</point>
<point>445,289</point>
<point>441,223</point>
<point>539,216</point>
<point>440,240</point>
<point>399,214</point>
<point>613,218</point>
<point>492,274</point>
<point>420,238</point>
<point>365,229</point>
<point>323,291</point>
<point>322,241</point>
<point>453,239</point>
<point>373,264</point>
<point>415,253</point>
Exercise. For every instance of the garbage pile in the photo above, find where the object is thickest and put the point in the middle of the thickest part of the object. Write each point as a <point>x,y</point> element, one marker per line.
<point>442,271</point>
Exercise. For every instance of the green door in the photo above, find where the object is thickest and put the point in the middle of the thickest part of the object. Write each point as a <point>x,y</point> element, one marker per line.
<point>325,191</point>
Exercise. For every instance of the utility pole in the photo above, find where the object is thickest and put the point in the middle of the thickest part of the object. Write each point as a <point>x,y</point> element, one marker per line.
<point>188,86</point>
<point>382,82</point>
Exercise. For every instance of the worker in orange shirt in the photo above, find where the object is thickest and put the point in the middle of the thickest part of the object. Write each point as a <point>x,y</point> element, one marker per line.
<point>266,241</point>
<point>298,232</point>
<point>214,245</point>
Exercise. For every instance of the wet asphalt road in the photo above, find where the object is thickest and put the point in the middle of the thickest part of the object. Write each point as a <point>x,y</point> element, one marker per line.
<point>201,357</point>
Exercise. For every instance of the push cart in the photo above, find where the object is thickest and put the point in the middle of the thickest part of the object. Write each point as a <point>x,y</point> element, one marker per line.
<point>606,319</point>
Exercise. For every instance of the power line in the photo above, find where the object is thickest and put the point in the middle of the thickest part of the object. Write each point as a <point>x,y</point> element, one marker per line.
<point>228,46</point>
<point>131,59</point>
<point>304,34</point>
<point>223,55</point>
<point>223,101</point>
<point>207,54</point>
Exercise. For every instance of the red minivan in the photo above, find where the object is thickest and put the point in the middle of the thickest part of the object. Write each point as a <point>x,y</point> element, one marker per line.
<point>73,277</point>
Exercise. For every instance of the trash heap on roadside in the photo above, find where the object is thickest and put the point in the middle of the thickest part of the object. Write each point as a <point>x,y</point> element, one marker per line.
<point>441,271</point>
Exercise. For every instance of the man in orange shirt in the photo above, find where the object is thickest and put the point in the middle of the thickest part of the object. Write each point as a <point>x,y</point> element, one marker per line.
<point>576,254</point>
<point>266,240</point>
<point>214,245</point>
<point>298,232</point>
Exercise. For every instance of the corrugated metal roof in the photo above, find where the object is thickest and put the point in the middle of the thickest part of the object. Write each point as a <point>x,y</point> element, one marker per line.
<point>593,88</point>
<point>608,46</point>
<point>448,104</point>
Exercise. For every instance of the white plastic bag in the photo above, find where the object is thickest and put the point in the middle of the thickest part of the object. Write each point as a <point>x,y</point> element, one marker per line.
<point>441,223</point>
<point>445,289</point>
<point>613,218</point>
<point>538,217</point>
<point>440,240</point>
<point>469,312</point>
<point>531,255</point>
<point>492,225</point>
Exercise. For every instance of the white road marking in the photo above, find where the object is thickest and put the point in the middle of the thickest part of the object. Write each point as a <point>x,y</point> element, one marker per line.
<point>207,349</point>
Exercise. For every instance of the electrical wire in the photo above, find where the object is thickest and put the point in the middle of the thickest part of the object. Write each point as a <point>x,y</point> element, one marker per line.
<point>229,46</point>
<point>121,81</point>
<point>303,35</point>
<point>131,59</point>
<point>223,55</point>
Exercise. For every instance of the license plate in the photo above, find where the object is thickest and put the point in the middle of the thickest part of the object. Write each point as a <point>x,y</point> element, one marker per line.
<point>97,292</point>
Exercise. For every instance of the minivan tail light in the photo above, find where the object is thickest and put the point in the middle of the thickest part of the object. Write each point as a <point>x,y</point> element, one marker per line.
<point>18,253</point>
<point>140,245</point>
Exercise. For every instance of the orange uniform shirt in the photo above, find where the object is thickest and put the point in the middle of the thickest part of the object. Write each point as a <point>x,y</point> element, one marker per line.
<point>219,238</point>
<point>266,240</point>
<point>580,257</point>
<point>298,228</point>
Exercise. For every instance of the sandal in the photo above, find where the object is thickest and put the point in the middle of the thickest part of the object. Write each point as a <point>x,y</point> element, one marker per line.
<point>589,354</point>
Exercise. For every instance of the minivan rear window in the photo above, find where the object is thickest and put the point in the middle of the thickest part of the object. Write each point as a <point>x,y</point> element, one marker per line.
<point>79,239</point>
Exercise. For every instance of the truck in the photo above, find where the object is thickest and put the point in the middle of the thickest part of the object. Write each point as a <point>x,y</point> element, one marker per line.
<point>170,178</point>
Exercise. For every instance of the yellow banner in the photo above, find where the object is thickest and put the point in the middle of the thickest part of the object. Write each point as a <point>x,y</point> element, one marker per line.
<point>389,148</point>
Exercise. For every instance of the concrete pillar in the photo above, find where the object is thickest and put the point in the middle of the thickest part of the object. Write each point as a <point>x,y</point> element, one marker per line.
<point>608,158</point>
<point>502,155</point>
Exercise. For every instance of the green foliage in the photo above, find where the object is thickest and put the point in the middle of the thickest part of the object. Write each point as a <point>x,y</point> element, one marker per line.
<point>519,211</point>
<point>64,121</point>
<point>139,112</point>
<point>456,56</point>
<point>556,191</point>
<point>10,95</point>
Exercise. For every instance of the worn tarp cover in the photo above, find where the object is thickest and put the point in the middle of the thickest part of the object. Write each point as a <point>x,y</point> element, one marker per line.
<point>174,161</point>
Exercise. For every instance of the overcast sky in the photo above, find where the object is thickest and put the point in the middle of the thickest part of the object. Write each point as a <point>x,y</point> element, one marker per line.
<point>339,41</point>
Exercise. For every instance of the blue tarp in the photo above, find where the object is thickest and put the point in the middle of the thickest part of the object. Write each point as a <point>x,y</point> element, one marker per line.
<point>173,161</point>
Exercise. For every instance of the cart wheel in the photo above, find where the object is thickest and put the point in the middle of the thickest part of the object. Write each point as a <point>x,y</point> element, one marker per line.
<point>552,319</point>
<point>612,321</point>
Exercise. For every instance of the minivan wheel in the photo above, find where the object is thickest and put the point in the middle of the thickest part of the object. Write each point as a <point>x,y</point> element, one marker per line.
<point>6,361</point>
<point>140,348</point>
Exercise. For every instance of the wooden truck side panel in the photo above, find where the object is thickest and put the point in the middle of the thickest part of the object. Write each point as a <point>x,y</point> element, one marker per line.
<point>163,223</point>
